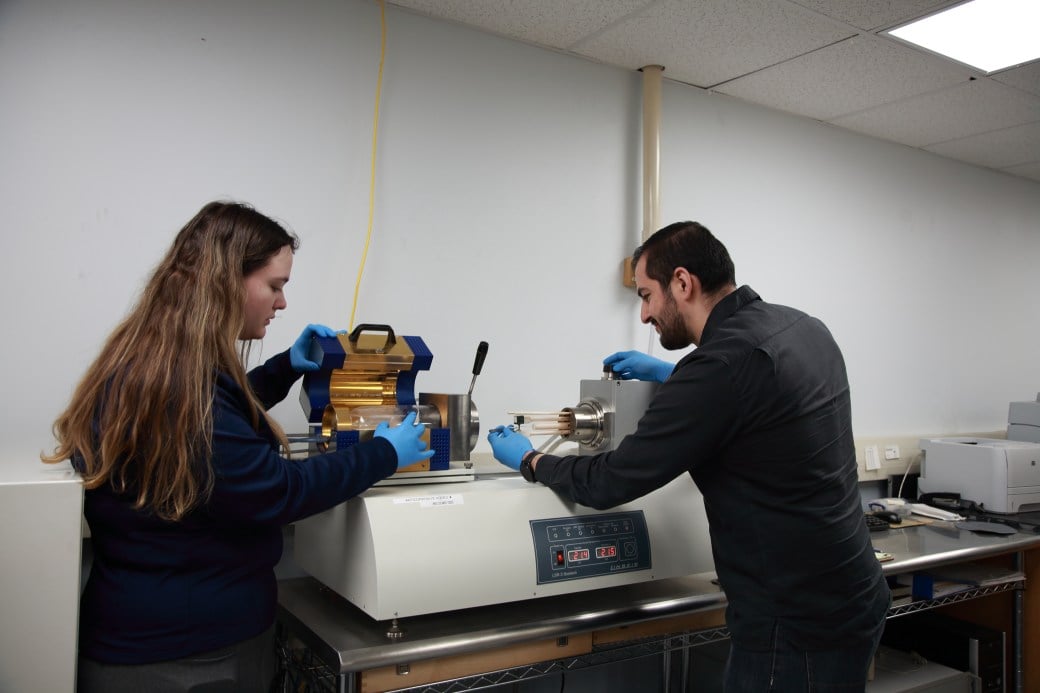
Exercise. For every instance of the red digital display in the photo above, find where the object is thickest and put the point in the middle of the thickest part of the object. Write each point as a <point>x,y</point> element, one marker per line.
<point>606,552</point>
<point>578,555</point>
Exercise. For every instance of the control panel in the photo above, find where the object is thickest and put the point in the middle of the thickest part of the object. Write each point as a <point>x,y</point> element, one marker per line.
<point>572,548</point>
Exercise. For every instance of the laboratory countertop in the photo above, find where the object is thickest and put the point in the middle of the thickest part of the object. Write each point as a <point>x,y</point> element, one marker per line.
<point>32,471</point>
<point>942,543</point>
<point>339,632</point>
<point>348,640</point>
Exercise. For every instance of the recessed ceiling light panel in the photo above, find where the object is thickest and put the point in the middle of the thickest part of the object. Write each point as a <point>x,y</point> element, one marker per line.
<point>989,35</point>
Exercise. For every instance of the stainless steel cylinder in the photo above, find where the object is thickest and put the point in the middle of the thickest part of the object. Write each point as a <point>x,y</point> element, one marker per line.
<point>588,423</point>
<point>459,414</point>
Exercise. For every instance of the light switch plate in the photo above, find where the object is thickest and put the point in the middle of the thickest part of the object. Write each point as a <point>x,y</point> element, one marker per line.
<point>872,459</point>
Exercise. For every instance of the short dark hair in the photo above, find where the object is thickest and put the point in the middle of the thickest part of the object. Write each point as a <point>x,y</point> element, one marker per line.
<point>692,246</point>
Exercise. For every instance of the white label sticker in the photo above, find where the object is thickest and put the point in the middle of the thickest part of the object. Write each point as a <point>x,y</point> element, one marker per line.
<point>432,501</point>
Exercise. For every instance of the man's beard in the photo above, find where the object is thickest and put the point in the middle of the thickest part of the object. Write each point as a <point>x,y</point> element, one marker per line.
<point>672,327</point>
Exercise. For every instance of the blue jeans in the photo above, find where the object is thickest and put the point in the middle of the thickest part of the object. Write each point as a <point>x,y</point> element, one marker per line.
<point>787,669</point>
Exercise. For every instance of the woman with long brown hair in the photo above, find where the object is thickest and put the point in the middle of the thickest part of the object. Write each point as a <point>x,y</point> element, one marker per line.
<point>186,491</point>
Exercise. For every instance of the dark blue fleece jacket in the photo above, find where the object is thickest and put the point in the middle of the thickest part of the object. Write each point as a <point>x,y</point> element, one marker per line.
<point>163,590</point>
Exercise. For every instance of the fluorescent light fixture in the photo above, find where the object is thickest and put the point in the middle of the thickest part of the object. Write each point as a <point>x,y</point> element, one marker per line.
<point>986,34</point>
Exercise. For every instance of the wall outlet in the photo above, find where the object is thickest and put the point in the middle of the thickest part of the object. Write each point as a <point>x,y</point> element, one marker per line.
<point>891,452</point>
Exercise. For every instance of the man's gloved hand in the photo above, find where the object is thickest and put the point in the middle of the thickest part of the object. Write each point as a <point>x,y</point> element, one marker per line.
<point>299,354</point>
<point>406,437</point>
<point>635,365</point>
<point>508,446</point>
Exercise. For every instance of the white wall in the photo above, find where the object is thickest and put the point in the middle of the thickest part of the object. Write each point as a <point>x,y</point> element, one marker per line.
<point>507,193</point>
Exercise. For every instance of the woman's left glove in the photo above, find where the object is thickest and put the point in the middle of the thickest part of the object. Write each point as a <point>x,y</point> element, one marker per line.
<point>300,352</point>
<point>406,437</point>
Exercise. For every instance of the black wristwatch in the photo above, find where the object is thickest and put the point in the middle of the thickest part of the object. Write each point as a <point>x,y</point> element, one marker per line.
<point>525,466</point>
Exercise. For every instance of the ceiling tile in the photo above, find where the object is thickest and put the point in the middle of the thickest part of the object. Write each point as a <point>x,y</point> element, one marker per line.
<point>974,107</point>
<point>997,149</point>
<point>706,42</point>
<point>546,22</point>
<point>846,77</point>
<point>876,14</point>
<point>1026,78</point>
<point>838,70</point>
<point>1026,171</point>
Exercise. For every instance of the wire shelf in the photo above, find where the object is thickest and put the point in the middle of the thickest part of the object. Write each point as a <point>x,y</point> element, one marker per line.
<point>299,670</point>
<point>963,596</point>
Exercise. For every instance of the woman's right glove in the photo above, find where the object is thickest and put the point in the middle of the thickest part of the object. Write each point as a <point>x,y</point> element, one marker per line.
<point>299,353</point>
<point>635,365</point>
<point>406,437</point>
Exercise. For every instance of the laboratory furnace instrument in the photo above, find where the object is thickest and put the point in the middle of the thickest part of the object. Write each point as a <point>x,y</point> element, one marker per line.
<point>368,376</point>
<point>400,551</point>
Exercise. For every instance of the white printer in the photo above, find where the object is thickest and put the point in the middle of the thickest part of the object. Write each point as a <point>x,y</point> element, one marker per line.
<point>1024,421</point>
<point>1001,475</point>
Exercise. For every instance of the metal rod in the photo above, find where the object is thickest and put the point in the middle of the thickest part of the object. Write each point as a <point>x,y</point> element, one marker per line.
<point>535,413</point>
<point>1018,630</point>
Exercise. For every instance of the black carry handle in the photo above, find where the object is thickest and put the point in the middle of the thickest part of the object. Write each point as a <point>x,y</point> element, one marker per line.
<point>478,364</point>
<point>391,340</point>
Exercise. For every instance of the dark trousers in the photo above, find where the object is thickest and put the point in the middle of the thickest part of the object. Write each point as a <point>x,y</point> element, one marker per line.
<point>245,667</point>
<point>787,669</point>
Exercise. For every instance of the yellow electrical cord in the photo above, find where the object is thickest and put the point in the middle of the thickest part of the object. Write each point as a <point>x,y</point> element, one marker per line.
<point>372,175</point>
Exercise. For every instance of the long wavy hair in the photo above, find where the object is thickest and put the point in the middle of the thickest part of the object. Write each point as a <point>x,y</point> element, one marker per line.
<point>141,419</point>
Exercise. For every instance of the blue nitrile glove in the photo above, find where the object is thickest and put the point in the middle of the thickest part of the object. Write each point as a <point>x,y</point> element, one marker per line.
<point>299,354</point>
<point>406,438</point>
<point>508,446</point>
<point>635,365</point>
